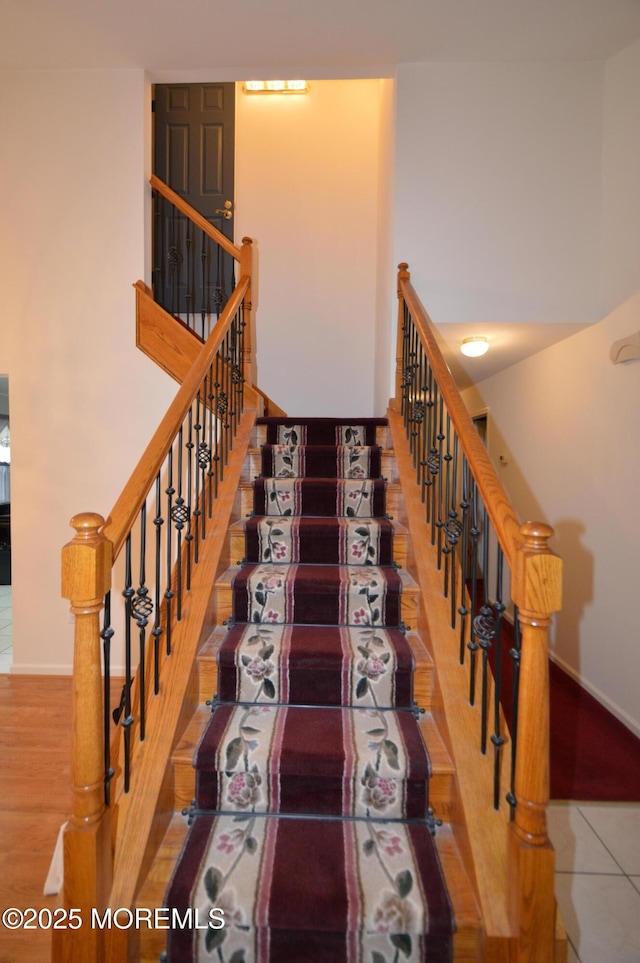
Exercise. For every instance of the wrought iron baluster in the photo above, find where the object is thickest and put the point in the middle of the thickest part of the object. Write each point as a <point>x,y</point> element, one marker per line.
<point>439,523</point>
<point>453,528</point>
<point>463,611</point>
<point>497,738</point>
<point>242,325</point>
<point>189,536</point>
<point>204,459</point>
<point>216,426</point>
<point>190,284</point>
<point>141,609</point>
<point>212,419</point>
<point>446,548</point>
<point>157,630</point>
<point>196,501</point>
<point>218,294</point>
<point>208,265</point>
<point>169,593</point>
<point>179,517</point>
<point>485,629</point>
<point>427,481</point>
<point>106,635</point>
<point>203,292</point>
<point>422,446</point>
<point>126,719</point>
<point>514,655</point>
<point>472,644</point>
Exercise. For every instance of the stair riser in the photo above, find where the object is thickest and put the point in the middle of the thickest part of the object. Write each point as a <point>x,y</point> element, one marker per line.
<point>441,788</point>
<point>260,436</point>
<point>208,670</point>
<point>253,466</point>
<point>223,594</point>
<point>237,550</point>
<point>245,507</point>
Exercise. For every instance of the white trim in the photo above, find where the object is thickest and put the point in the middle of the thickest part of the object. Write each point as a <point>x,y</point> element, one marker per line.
<point>29,668</point>
<point>614,709</point>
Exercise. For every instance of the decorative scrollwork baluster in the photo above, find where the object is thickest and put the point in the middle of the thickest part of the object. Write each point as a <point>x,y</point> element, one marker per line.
<point>106,635</point>
<point>157,630</point>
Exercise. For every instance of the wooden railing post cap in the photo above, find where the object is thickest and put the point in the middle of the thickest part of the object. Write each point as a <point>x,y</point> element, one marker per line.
<point>403,270</point>
<point>86,560</point>
<point>539,589</point>
<point>87,524</point>
<point>536,535</point>
<point>247,240</point>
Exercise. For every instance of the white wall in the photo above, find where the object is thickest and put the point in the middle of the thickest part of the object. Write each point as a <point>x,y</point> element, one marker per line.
<point>498,189</point>
<point>84,400</point>
<point>386,302</point>
<point>307,190</point>
<point>620,191</point>
<point>568,422</point>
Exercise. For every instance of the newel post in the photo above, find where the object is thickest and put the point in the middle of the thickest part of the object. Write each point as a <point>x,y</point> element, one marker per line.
<point>538,594</point>
<point>246,268</point>
<point>86,577</point>
<point>396,401</point>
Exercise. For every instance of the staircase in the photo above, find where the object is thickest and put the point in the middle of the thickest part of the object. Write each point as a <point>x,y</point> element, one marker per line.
<point>310,801</point>
<point>314,717</point>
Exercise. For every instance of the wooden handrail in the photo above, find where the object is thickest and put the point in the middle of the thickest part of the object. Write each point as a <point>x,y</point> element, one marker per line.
<point>195,216</point>
<point>494,497</point>
<point>536,579</point>
<point>129,503</point>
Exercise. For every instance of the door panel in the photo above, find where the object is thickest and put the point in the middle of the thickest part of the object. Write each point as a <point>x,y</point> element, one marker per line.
<point>194,128</point>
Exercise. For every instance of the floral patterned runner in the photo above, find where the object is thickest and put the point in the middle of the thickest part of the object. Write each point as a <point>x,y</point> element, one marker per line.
<point>312,594</point>
<point>371,762</point>
<point>315,684</point>
<point>323,497</point>
<point>318,891</point>
<point>299,461</point>
<point>316,665</point>
<point>320,431</point>
<point>329,541</point>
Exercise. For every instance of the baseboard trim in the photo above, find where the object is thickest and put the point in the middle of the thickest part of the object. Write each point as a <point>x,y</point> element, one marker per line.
<point>28,668</point>
<point>615,710</point>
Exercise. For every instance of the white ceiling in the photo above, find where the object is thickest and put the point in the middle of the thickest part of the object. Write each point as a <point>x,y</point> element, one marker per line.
<point>236,39</point>
<point>508,344</point>
<point>328,38</point>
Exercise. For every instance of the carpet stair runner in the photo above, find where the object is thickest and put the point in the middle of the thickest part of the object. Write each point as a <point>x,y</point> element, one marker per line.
<point>311,825</point>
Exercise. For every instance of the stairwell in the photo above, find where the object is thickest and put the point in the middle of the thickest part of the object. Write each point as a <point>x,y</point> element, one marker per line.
<point>317,673</point>
<point>190,497</point>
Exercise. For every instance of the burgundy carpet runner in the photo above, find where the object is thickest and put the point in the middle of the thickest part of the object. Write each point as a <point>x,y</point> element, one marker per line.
<point>310,826</point>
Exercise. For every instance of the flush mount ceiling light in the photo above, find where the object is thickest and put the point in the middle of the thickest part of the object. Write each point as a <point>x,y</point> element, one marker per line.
<point>276,86</point>
<point>474,347</point>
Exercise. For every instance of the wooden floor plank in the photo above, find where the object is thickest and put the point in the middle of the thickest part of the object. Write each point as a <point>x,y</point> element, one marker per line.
<point>35,799</point>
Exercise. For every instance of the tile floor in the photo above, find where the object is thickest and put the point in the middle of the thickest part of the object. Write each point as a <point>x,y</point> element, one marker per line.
<point>598,879</point>
<point>6,632</point>
<point>597,861</point>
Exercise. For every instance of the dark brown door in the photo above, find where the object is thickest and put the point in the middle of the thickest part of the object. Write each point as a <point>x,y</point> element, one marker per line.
<point>194,128</point>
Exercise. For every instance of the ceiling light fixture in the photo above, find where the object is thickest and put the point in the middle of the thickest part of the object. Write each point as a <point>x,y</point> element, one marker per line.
<point>474,347</point>
<point>276,86</point>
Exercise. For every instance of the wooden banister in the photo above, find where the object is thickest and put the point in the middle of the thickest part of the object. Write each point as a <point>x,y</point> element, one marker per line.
<point>494,497</point>
<point>536,577</point>
<point>135,491</point>
<point>196,217</point>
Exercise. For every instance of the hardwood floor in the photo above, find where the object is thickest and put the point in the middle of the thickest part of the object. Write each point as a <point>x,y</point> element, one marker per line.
<point>35,799</point>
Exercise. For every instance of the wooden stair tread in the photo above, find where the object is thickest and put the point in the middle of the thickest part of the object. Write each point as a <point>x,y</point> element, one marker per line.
<point>441,783</point>
<point>467,942</point>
